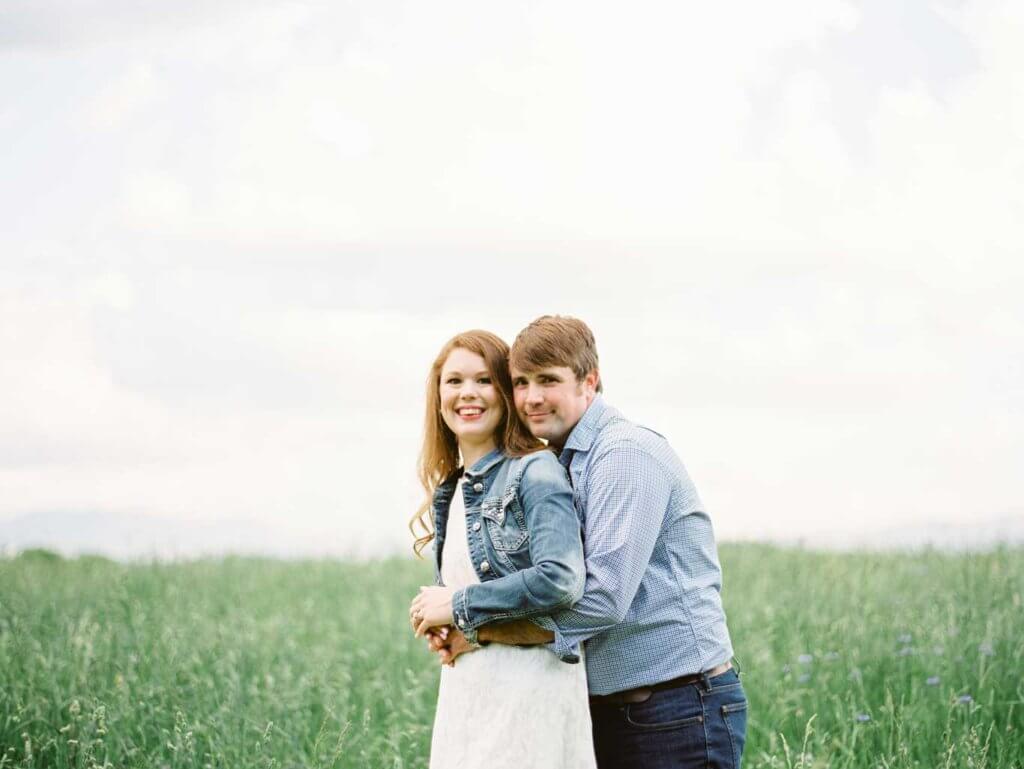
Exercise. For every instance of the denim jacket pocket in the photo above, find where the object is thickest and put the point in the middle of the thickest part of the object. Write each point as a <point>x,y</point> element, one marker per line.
<point>504,527</point>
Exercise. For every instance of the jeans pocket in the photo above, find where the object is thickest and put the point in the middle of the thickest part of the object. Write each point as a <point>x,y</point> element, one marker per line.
<point>724,682</point>
<point>668,709</point>
<point>735,716</point>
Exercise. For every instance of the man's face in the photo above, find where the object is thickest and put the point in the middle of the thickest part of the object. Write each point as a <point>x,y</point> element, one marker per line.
<point>551,400</point>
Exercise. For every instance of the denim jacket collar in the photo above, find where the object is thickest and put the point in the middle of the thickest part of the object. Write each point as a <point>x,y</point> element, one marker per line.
<point>585,432</point>
<point>481,467</point>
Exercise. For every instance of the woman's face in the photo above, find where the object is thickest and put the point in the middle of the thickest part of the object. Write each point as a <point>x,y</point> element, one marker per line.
<point>470,402</point>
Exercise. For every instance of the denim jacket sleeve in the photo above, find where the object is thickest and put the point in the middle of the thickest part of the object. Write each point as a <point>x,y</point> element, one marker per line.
<point>557,574</point>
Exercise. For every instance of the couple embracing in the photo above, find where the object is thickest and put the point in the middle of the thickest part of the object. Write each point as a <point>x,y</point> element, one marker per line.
<point>577,605</point>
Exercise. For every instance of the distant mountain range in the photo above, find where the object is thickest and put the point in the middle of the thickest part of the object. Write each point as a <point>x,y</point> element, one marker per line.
<point>128,537</point>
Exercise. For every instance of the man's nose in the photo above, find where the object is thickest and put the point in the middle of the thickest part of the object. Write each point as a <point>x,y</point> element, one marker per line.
<point>534,394</point>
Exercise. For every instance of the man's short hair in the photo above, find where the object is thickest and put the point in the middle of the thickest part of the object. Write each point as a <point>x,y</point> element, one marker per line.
<point>556,340</point>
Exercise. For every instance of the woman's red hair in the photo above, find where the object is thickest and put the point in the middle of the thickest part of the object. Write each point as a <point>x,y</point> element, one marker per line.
<point>439,457</point>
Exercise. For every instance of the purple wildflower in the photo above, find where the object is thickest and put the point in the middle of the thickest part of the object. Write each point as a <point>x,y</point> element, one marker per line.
<point>862,718</point>
<point>932,680</point>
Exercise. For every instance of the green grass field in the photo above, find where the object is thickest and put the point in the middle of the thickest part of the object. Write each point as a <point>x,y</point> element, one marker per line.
<point>848,660</point>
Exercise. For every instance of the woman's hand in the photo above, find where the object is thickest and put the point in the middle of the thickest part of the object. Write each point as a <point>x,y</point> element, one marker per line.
<point>431,608</point>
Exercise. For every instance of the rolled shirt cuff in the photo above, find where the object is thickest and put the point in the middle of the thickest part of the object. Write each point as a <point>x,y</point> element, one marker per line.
<point>560,647</point>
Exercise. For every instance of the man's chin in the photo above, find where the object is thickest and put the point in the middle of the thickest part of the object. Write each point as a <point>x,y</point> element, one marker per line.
<point>549,435</point>
<point>538,430</point>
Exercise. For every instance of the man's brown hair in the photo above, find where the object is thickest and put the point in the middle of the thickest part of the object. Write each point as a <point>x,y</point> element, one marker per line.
<point>556,340</point>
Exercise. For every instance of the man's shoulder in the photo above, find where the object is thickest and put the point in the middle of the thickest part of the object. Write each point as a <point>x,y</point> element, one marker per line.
<point>624,450</point>
<point>536,469</point>
<point>618,432</point>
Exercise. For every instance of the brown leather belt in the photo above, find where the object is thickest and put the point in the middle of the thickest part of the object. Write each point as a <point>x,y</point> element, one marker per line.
<point>643,693</point>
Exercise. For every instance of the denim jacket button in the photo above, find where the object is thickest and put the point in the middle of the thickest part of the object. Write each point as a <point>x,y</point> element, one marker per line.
<point>476,526</point>
<point>478,487</point>
<point>462,622</point>
<point>484,566</point>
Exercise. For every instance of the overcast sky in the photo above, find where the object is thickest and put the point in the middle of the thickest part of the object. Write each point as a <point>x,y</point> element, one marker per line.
<point>234,234</point>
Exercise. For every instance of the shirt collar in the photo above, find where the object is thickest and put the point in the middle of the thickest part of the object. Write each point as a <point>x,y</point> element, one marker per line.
<point>585,432</point>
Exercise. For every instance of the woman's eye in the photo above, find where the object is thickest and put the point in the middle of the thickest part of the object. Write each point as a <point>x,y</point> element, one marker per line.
<point>484,380</point>
<point>451,381</point>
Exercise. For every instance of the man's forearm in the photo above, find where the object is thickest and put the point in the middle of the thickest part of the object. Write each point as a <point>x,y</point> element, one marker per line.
<point>521,632</point>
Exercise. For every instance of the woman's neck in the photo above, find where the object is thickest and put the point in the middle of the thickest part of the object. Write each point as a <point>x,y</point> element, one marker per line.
<point>472,453</point>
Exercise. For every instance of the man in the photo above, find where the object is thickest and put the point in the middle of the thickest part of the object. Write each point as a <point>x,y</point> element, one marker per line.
<point>657,649</point>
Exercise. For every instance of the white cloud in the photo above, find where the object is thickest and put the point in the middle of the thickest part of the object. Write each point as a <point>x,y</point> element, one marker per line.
<point>124,97</point>
<point>239,281</point>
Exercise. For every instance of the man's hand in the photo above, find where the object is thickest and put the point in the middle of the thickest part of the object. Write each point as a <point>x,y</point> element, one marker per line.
<point>448,649</point>
<point>450,643</point>
<point>437,637</point>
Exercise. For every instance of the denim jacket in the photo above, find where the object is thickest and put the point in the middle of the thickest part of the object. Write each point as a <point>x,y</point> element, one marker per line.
<point>523,535</point>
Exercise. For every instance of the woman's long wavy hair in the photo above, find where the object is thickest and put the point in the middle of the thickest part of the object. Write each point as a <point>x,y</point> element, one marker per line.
<point>439,457</point>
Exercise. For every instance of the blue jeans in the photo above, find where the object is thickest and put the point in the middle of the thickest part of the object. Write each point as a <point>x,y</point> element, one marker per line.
<point>699,725</point>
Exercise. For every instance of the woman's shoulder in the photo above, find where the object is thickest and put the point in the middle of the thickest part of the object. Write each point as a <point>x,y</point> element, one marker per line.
<point>541,467</point>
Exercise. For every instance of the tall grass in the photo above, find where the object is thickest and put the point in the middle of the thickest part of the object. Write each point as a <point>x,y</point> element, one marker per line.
<point>848,660</point>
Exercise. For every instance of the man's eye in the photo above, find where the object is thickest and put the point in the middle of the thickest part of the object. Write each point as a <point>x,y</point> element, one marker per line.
<point>519,383</point>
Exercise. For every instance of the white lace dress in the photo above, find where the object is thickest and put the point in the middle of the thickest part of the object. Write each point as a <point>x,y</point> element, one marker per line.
<point>506,706</point>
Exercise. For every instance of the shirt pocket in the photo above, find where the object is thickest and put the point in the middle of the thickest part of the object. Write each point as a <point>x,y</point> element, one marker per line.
<point>505,526</point>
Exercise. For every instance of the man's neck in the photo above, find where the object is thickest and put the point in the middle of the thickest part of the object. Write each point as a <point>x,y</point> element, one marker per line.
<point>559,443</point>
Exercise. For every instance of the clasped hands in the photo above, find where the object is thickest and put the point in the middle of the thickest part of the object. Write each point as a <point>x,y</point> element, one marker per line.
<point>430,615</point>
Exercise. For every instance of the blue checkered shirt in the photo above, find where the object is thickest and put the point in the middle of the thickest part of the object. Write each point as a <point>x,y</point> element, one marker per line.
<point>651,608</point>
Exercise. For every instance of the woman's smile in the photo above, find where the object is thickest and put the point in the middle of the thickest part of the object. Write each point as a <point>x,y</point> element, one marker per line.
<point>470,413</point>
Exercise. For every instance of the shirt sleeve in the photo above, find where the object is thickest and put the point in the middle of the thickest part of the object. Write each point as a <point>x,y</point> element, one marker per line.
<point>627,497</point>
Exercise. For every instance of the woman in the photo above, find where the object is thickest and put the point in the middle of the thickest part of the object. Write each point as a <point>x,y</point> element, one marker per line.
<point>506,546</point>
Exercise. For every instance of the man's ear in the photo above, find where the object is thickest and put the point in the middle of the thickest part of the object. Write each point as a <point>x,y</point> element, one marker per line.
<point>590,382</point>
